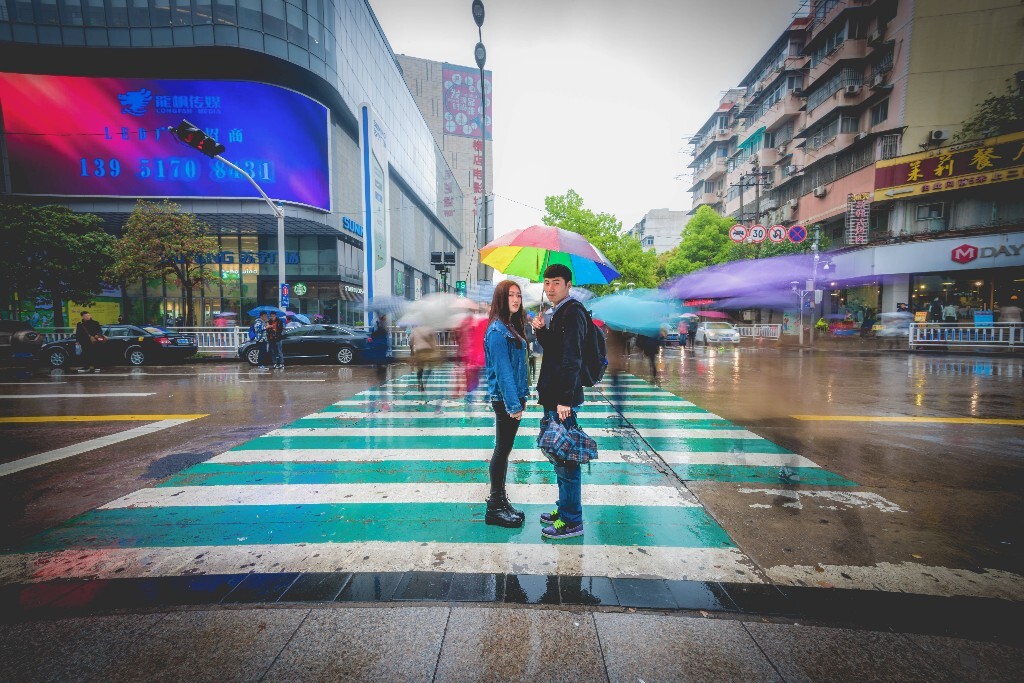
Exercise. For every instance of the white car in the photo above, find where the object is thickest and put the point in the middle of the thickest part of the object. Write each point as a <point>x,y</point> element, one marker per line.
<point>716,333</point>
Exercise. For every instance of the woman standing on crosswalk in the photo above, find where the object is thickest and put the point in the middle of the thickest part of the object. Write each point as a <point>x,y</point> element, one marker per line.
<point>505,354</point>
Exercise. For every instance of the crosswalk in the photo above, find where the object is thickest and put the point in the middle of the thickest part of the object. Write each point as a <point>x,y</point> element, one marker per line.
<point>394,479</point>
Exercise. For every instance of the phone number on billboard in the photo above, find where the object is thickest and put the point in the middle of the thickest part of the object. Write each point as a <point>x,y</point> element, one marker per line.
<point>175,168</point>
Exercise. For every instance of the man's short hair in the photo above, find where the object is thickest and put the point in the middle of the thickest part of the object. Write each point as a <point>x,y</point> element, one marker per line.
<point>273,312</point>
<point>86,313</point>
<point>558,270</point>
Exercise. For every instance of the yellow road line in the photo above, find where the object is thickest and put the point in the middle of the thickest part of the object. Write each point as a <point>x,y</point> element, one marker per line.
<point>98,418</point>
<point>898,418</point>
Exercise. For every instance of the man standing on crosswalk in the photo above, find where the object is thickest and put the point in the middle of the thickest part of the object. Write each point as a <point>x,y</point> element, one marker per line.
<point>561,331</point>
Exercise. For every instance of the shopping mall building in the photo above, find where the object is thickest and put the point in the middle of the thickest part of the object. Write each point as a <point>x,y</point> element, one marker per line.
<point>306,95</point>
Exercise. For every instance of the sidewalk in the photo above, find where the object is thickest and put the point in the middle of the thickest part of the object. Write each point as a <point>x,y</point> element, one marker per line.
<point>447,642</point>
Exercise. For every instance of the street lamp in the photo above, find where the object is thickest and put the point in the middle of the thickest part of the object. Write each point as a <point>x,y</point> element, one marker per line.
<point>480,55</point>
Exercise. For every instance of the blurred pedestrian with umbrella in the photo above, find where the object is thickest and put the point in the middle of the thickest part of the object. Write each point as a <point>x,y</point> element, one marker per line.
<point>505,352</point>
<point>275,338</point>
<point>424,352</point>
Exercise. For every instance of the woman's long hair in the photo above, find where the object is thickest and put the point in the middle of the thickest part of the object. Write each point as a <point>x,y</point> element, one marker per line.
<point>515,322</point>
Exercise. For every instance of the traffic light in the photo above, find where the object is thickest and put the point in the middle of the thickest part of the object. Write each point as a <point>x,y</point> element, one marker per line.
<point>192,136</point>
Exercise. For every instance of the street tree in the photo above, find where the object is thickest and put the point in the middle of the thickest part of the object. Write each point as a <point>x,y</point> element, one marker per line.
<point>996,115</point>
<point>604,231</point>
<point>162,241</point>
<point>53,250</point>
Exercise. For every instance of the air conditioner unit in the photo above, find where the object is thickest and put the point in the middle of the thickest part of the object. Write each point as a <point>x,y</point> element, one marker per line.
<point>769,205</point>
<point>878,80</point>
<point>862,135</point>
<point>875,37</point>
<point>798,92</point>
<point>938,135</point>
<point>819,191</point>
<point>794,203</point>
<point>785,214</point>
<point>851,90</point>
<point>790,170</point>
<point>781,149</point>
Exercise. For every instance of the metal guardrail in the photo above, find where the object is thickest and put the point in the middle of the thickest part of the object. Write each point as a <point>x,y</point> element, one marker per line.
<point>953,335</point>
<point>759,331</point>
<point>224,341</point>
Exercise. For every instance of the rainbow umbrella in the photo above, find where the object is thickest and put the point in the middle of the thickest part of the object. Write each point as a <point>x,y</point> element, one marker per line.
<point>528,252</point>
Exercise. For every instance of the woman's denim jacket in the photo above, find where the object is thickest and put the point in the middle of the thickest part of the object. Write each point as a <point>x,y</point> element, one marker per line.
<point>506,367</point>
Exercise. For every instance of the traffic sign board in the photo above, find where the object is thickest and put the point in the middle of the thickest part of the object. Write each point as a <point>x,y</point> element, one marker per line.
<point>460,288</point>
<point>758,233</point>
<point>738,233</point>
<point>777,233</point>
<point>797,234</point>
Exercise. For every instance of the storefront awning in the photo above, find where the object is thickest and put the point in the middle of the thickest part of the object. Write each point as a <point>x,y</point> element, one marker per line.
<point>752,139</point>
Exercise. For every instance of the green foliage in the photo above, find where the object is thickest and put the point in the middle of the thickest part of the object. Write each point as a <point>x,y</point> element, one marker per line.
<point>604,231</point>
<point>997,115</point>
<point>705,242</point>
<point>52,249</point>
<point>159,240</point>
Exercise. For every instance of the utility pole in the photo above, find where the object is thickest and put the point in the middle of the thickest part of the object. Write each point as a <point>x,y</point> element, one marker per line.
<point>480,54</point>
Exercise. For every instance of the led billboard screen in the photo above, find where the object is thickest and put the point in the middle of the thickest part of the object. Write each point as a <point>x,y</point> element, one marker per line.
<point>108,137</point>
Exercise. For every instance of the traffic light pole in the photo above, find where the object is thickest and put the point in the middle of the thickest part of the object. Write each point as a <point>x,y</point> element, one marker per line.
<point>279,212</point>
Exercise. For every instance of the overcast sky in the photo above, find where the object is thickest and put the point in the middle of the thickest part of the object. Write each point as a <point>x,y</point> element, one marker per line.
<point>596,95</point>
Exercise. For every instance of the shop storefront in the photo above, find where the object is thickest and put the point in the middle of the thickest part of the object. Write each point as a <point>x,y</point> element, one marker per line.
<point>968,291</point>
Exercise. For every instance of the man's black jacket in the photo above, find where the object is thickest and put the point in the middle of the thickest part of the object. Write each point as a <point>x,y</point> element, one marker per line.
<point>86,330</point>
<point>562,340</point>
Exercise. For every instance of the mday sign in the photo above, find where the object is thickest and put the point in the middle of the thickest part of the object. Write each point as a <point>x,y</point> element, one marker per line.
<point>965,253</point>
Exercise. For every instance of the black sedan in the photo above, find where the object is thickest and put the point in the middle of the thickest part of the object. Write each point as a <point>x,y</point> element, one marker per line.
<point>131,344</point>
<point>337,343</point>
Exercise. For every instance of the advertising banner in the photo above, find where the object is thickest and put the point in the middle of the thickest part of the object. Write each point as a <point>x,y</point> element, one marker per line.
<point>108,137</point>
<point>464,112</point>
<point>858,215</point>
<point>994,160</point>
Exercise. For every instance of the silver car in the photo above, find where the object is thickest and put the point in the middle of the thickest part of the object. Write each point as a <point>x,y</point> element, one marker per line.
<point>716,333</point>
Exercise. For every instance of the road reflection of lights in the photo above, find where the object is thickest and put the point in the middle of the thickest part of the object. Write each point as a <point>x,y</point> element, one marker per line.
<point>974,403</point>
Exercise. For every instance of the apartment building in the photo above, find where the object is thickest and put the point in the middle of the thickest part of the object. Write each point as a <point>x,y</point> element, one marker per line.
<point>853,87</point>
<point>660,229</point>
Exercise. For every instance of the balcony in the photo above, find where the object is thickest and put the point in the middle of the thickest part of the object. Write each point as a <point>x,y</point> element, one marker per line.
<point>850,49</point>
<point>713,170</point>
<point>785,109</point>
<point>709,198</point>
<point>767,157</point>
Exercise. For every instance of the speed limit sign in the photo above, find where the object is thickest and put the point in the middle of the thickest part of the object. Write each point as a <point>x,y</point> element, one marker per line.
<point>738,233</point>
<point>758,233</point>
<point>777,233</point>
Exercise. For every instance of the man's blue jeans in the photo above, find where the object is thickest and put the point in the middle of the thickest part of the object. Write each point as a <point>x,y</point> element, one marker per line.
<point>570,483</point>
<point>276,352</point>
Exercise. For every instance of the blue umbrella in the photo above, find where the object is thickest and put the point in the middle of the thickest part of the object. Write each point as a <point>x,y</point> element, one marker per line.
<point>638,311</point>
<point>298,316</point>
<point>268,310</point>
<point>387,305</point>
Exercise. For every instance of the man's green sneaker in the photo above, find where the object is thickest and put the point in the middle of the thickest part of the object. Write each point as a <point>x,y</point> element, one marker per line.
<point>560,530</point>
<point>549,518</point>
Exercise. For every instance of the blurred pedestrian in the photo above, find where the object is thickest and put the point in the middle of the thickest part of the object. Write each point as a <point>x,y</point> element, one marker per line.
<point>650,346</point>
<point>691,331</point>
<point>505,351</point>
<point>561,331</point>
<point>683,330</point>
<point>89,336</point>
<point>533,347</point>
<point>935,311</point>
<point>275,339</point>
<point>471,352</point>
<point>615,347</point>
<point>424,352</point>
<point>259,330</point>
<point>1010,313</point>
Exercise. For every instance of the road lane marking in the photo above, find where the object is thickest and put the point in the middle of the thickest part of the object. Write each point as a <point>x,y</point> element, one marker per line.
<point>382,431</point>
<point>281,380</point>
<point>387,454</point>
<point>533,411</point>
<point>495,557</point>
<point>23,384</point>
<point>908,418</point>
<point>347,494</point>
<point>98,418</point>
<point>85,446</point>
<point>110,395</point>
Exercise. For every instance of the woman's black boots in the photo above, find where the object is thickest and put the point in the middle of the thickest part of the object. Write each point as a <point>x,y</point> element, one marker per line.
<point>501,513</point>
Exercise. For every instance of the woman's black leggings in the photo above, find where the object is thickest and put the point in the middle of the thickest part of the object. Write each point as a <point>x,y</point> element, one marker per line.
<point>505,428</point>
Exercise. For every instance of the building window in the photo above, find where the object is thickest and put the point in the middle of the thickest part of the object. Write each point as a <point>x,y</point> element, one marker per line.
<point>930,212</point>
<point>880,112</point>
<point>890,146</point>
<point>849,124</point>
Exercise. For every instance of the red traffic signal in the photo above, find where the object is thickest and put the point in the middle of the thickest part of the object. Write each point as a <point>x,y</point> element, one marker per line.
<point>192,136</point>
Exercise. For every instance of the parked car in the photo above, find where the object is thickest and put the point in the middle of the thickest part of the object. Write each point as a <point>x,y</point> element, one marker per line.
<point>716,333</point>
<point>19,343</point>
<point>131,344</point>
<point>337,343</point>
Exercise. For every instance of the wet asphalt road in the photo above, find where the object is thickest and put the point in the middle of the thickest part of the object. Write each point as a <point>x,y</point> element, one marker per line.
<point>940,493</point>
